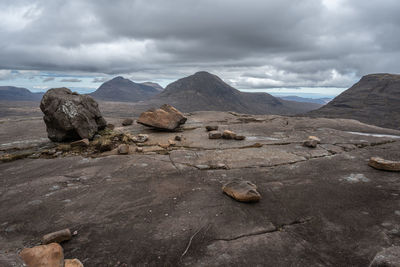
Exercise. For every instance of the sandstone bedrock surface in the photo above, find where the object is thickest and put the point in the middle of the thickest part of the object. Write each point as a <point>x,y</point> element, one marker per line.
<point>320,207</point>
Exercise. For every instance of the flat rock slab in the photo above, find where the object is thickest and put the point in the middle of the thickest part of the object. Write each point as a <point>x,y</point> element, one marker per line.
<point>243,191</point>
<point>320,207</point>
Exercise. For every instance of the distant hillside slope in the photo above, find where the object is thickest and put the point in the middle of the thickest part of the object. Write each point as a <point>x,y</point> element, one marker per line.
<point>203,91</point>
<point>375,99</point>
<point>154,85</point>
<point>11,93</point>
<point>121,89</point>
<point>321,101</point>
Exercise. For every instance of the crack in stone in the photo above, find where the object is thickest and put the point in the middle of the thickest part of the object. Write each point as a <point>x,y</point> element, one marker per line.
<point>275,229</point>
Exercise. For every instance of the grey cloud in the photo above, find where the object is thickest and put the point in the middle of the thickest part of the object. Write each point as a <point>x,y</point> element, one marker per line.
<point>100,80</point>
<point>73,80</point>
<point>251,44</point>
<point>48,79</point>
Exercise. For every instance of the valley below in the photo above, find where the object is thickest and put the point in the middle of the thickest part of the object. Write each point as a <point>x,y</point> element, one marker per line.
<point>163,204</point>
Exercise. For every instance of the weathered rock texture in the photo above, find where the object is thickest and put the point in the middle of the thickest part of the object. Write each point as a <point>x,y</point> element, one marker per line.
<point>165,118</point>
<point>72,263</point>
<point>45,255</point>
<point>389,257</point>
<point>70,116</point>
<point>320,207</point>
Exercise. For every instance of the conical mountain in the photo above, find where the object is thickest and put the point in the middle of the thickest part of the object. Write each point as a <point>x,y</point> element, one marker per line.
<point>121,89</point>
<point>375,99</point>
<point>204,91</point>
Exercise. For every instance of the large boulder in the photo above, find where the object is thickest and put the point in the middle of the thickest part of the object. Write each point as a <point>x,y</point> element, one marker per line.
<point>70,116</point>
<point>165,118</point>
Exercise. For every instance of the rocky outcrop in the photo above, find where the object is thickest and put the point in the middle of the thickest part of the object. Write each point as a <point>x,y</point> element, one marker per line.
<point>70,116</point>
<point>385,165</point>
<point>165,118</point>
<point>243,191</point>
<point>45,255</point>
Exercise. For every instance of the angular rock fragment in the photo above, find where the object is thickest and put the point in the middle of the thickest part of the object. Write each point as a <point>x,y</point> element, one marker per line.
<point>57,237</point>
<point>311,137</point>
<point>165,118</point>
<point>310,143</point>
<point>45,255</point>
<point>383,164</point>
<point>211,128</point>
<point>214,135</point>
<point>127,122</point>
<point>243,191</point>
<point>389,257</point>
<point>72,263</point>
<point>70,116</point>
<point>228,134</point>
<point>240,137</point>
<point>80,143</point>
<point>123,149</point>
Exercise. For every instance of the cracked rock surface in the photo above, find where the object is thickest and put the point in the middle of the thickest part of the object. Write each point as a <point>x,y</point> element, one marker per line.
<point>320,207</point>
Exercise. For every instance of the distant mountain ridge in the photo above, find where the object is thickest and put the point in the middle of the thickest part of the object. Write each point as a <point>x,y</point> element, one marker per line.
<point>203,91</point>
<point>375,99</point>
<point>124,90</point>
<point>12,93</point>
<point>321,101</point>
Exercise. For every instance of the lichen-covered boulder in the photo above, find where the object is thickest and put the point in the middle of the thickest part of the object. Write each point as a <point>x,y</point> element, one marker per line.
<point>70,116</point>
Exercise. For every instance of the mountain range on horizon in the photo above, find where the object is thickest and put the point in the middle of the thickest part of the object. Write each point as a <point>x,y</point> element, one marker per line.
<point>204,91</point>
<point>12,93</point>
<point>124,90</point>
<point>375,99</point>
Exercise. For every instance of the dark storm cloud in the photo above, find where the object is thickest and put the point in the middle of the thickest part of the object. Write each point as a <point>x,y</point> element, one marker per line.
<point>251,44</point>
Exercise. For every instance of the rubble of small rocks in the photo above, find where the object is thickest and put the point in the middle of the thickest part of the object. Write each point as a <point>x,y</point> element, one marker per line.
<point>383,164</point>
<point>164,118</point>
<point>70,116</point>
<point>243,191</point>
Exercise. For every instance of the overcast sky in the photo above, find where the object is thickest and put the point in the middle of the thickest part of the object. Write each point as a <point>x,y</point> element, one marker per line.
<point>254,44</point>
